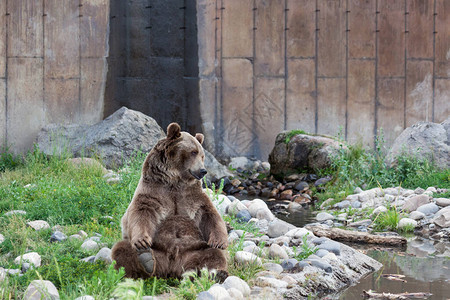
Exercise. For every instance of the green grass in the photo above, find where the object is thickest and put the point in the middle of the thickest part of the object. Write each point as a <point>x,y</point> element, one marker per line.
<point>388,220</point>
<point>293,133</point>
<point>305,249</point>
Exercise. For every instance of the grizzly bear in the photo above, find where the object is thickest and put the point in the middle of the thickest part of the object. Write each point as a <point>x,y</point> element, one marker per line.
<point>171,226</point>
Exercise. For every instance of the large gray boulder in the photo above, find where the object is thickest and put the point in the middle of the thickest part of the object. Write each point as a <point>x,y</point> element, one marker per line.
<point>114,140</point>
<point>424,140</point>
<point>301,152</point>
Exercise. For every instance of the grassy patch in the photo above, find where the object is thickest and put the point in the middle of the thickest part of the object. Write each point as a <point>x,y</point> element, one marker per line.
<point>293,133</point>
<point>388,220</point>
<point>305,249</point>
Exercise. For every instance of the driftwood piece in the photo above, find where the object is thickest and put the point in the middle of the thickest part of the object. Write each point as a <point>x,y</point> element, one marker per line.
<point>357,236</point>
<point>388,296</point>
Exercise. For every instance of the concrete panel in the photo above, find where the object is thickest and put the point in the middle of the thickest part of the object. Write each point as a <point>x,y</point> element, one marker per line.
<point>419,40</point>
<point>268,113</point>
<point>237,90</point>
<point>361,102</point>
<point>138,28</point>
<point>94,28</point>
<point>442,100</point>
<point>25,104</point>
<point>206,14</point>
<point>208,108</point>
<point>331,42</point>
<point>2,112</point>
<point>62,100</point>
<point>218,50</point>
<point>331,106</point>
<point>301,22</point>
<point>237,34</point>
<point>300,99</point>
<point>390,116</point>
<point>167,28</point>
<point>391,38</point>
<point>419,91</point>
<point>269,37</point>
<point>61,39</point>
<point>25,35</point>
<point>93,80</point>
<point>2,39</point>
<point>361,23</point>
<point>442,58</point>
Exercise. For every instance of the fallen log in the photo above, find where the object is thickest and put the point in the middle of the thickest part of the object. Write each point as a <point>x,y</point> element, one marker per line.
<point>388,296</point>
<point>356,236</point>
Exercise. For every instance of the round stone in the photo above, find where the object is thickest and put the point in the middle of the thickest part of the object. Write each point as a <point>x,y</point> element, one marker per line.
<point>33,258</point>
<point>243,257</point>
<point>243,216</point>
<point>104,255</point>
<point>38,225</point>
<point>89,245</point>
<point>428,209</point>
<point>58,236</point>
<point>275,251</point>
<point>237,283</point>
<point>406,222</point>
<point>324,216</point>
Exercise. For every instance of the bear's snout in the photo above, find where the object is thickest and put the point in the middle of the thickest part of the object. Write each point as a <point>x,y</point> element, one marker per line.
<point>198,174</point>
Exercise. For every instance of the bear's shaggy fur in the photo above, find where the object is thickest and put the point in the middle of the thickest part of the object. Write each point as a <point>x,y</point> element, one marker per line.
<point>170,219</point>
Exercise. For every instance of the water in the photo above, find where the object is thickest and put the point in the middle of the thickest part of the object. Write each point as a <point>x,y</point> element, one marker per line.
<point>425,264</point>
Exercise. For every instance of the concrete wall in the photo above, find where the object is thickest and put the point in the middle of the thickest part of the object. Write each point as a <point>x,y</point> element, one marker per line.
<point>52,65</point>
<point>325,66</point>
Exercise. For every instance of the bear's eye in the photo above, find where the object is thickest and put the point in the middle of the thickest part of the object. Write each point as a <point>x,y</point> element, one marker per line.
<point>194,153</point>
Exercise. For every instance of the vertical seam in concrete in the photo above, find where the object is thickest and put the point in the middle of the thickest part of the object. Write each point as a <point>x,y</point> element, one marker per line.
<point>434,61</point>
<point>406,56</point>
<point>316,68</point>
<point>254,136</point>
<point>375,125</point>
<point>216,127</point>
<point>43,62</point>
<point>222,130</point>
<point>346,68</point>
<point>285,61</point>
<point>78,118</point>
<point>6,73</point>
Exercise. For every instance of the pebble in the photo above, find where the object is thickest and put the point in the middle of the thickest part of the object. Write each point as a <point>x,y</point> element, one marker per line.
<point>222,204</point>
<point>321,252</point>
<point>324,216</point>
<point>289,264</point>
<point>428,209</point>
<point>355,204</point>
<point>235,207</point>
<point>331,246</point>
<point>256,205</point>
<point>416,215</point>
<point>319,263</point>
<point>15,212</point>
<point>235,294</point>
<point>365,222</point>
<point>2,238</point>
<point>271,282</point>
<point>38,225</point>
<point>342,204</point>
<point>276,251</point>
<point>405,222</point>
<point>104,255</point>
<point>89,259</point>
<point>58,236</point>
<point>414,202</point>
<point>86,297</point>
<point>75,237</point>
<point>289,280</point>
<point>89,245</point>
<point>243,257</point>
<point>273,267</point>
<point>219,292</point>
<point>265,214</point>
<point>298,233</point>
<point>243,216</point>
<point>443,202</point>
<point>278,228</point>
<point>379,209</point>
<point>41,289</point>
<point>205,296</point>
<point>237,283</point>
<point>32,258</point>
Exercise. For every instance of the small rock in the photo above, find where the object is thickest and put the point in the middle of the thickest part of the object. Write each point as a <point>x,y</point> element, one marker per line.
<point>232,236</point>
<point>322,181</point>
<point>256,205</point>
<point>405,222</point>
<point>302,185</point>
<point>218,292</point>
<point>355,204</point>
<point>253,249</point>
<point>83,233</point>
<point>324,216</point>
<point>278,228</point>
<point>243,257</point>
<point>3,274</point>
<point>75,237</point>
<point>58,236</point>
<point>41,289</point>
<point>33,258</point>
<point>2,238</point>
<point>298,233</point>
<point>271,282</point>
<point>265,214</point>
<point>113,180</point>
<point>342,217</point>
<point>235,207</point>
<point>365,222</point>
<point>273,267</point>
<point>15,212</point>
<point>205,296</point>
<point>235,294</point>
<point>443,201</point>
<point>331,246</point>
<point>104,255</point>
<point>319,263</point>
<point>342,204</point>
<point>442,217</point>
<point>89,245</point>
<point>222,202</point>
<point>416,215</point>
<point>276,251</point>
<point>379,209</point>
<point>289,264</point>
<point>419,191</point>
<point>431,189</point>
<point>243,216</point>
<point>428,209</point>
<point>12,271</point>
<point>86,297</point>
<point>289,280</point>
<point>326,203</point>
<point>294,206</point>
<point>286,195</point>
<point>321,252</point>
<point>415,201</point>
<point>358,190</point>
<point>89,259</point>
<point>237,283</point>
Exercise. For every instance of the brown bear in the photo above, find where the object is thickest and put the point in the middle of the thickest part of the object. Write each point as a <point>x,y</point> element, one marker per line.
<point>171,226</point>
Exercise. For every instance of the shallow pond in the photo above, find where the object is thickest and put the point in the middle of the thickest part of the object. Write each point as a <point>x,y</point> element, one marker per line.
<point>425,264</point>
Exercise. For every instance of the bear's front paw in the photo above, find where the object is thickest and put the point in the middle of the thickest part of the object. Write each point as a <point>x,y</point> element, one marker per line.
<point>217,242</point>
<point>144,242</point>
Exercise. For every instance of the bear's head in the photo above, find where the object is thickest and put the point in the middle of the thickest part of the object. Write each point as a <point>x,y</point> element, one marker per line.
<point>178,157</point>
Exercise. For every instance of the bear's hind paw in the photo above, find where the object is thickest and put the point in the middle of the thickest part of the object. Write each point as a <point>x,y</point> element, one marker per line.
<point>147,261</point>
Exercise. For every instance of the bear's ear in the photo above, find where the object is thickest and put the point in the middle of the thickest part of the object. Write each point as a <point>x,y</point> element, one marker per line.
<point>173,131</point>
<point>199,137</point>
